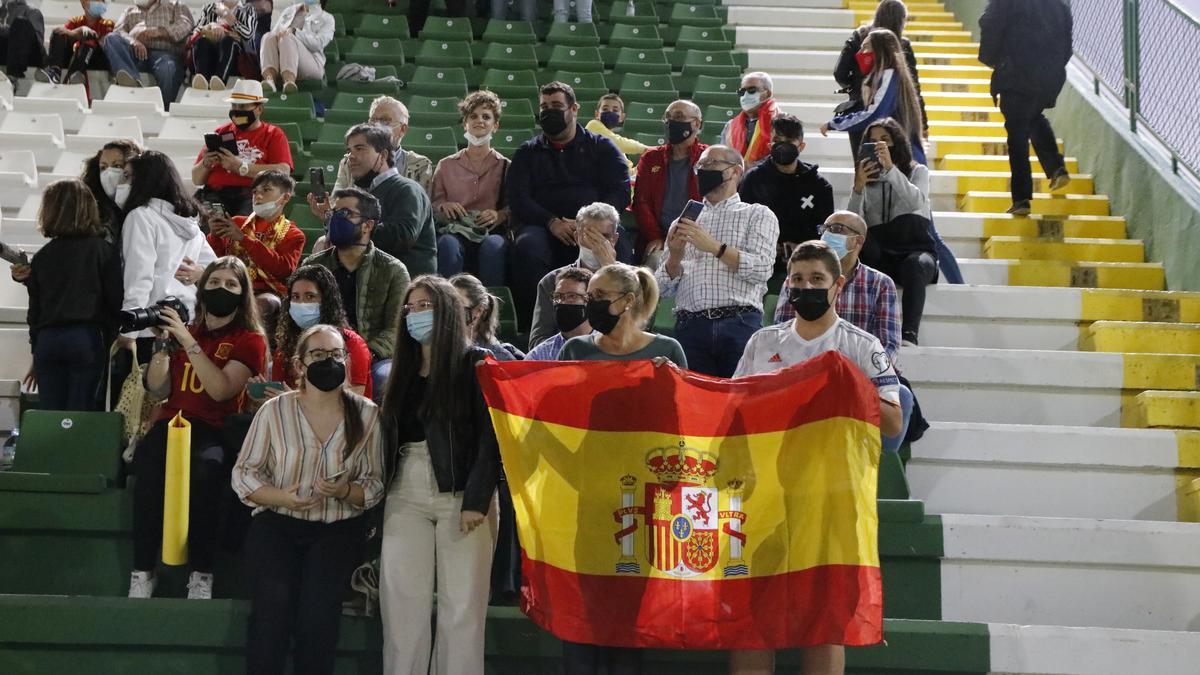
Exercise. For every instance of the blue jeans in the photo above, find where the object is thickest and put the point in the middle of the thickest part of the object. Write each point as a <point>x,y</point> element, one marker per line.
<point>68,362</point>
<point>380,369</point>
<point>167,67</point>
<point>714,346</point>
<point>487,260</point>
<point>528,9</point>
<point>583,10</point>
<point>892,443</point>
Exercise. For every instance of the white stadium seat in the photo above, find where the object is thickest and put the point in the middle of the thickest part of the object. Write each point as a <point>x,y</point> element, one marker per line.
<point>201,103</point>
<point>145,103</point>
<point>183,136</point>
<point>69,110</point>
<point>28,212</point>
<point>18,170</point>
<point>69,165</point>
<point>41,134</point>
<point>99,129</point>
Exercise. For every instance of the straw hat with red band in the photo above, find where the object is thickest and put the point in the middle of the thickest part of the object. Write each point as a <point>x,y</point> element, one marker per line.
<point>246,91</point>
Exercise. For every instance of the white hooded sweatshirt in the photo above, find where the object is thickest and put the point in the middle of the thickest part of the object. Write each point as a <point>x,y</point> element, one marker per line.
<point>154,241</point>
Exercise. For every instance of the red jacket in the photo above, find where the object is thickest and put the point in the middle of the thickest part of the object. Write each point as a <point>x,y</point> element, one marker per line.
<point>651,184</point>
<point>269,261</point>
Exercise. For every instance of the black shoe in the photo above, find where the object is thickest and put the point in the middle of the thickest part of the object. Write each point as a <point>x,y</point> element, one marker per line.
<point>1060,180</point>
<point>1020,208</point>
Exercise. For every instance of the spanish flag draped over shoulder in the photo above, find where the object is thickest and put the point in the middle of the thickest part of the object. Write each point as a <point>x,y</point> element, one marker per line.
<point>659,508</point>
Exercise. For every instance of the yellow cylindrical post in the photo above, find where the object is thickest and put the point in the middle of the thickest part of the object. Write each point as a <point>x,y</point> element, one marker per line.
<point>177,492</point>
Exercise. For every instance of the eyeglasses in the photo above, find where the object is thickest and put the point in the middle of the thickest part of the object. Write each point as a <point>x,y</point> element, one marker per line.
<point>314,355</point>
<point>678,117</point>
<point>711,163</point>
<point>747,90</point>
<point>346,213</point>
<point>569,298</point>
<point>838,228</point>
<point>421,306</point>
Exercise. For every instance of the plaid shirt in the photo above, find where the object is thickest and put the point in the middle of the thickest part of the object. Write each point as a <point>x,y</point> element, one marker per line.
<point>868,301</point>
<point>705,282</point>
<point>169,14</point>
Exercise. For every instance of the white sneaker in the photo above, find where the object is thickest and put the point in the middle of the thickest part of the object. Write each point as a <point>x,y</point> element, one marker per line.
<point>216,84</point>
<point>907,343</point>
<point>199,82</point>
<point>141,585</point>
<point>199,586</point>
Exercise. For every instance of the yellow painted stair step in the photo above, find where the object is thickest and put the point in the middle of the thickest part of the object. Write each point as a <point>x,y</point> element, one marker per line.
<point>869,6</point>
<point>1163,372</point>
<point>1168,409</point>
<point>866,17</point>
<point>950,25</point>
<point>969,162</point>
<point>953,71</point>
<point>1054,228</point>
<point>980,145</point>
<point>1067,250</point>
<point>1101,304</point>
<point>969,98</point>
<point>963,113</point>
<point>1136,276</point>
<point>948,59</point>
<point>926,47</point>
<point>994,181</point>
<point>954,85</point>
<point>1143,337</point>
<point>967,129</point>
<point>1042,203</point>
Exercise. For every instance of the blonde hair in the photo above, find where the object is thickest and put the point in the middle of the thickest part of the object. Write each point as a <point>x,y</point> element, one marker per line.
<point>636,280</point>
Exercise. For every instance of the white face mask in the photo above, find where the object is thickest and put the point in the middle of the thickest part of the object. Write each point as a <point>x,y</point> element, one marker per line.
<point>477,140</point>
<point>110,178</point>
<point>588,259</point>
<point>750,101</point>
<point>265,210</point>
<point>121,195</point>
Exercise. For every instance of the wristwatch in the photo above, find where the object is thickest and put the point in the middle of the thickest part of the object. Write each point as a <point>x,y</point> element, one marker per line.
<point>244,169</point>
<point>195,349</point>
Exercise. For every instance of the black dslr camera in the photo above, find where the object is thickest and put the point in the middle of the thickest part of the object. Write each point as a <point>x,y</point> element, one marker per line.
<point>141,318</point>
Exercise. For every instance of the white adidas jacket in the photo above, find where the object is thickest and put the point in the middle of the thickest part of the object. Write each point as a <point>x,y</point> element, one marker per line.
<point>154,241</point>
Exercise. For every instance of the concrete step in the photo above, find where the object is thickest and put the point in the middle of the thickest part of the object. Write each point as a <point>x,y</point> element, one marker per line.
<point>964,113</point>
<point>1042,203</point>
<point>944,46</point>
<point>992,162</point>
<point>1143,337</point>
<point>1053,471</point>
<point>796,17</point>
<point>952,72</point>
<point>1055,387</point>
<point>968,129</point>
<point>944,186</point>
<point>1090,651</point>
<point>866,17</point>
<point>935,58</point>
<point>939,39</point>
<point>1167,410</point>
<point>1069,249</point>
<point>1134,276</point>
<point>1071,572</point>
<point>957,85</point>
<point>789,61</point>
<point>979,145</point>
<point>1052,228</point>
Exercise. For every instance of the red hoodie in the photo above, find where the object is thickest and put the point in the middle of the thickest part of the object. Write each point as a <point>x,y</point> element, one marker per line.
<point>652,185</point>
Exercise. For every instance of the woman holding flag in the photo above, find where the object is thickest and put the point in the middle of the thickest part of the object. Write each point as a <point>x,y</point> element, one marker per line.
<point>201,370</point>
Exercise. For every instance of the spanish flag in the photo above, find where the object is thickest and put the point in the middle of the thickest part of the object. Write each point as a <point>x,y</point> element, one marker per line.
<point>660,508</point>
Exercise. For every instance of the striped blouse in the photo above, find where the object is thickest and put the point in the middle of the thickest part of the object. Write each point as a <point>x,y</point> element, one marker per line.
<point>282,450</point>
<point>245,20</point>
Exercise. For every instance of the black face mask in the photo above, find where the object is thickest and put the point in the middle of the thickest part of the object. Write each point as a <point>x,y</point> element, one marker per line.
<point>553,121</point>
<point>568,317</point>
<point>810,303</point>
<point>242,119</point>
<point>784,153</point>
<point>708,180</point>
<point>221,302</point>
<point>678,131</point>
<point>599,316</point>
<point>326,374</point>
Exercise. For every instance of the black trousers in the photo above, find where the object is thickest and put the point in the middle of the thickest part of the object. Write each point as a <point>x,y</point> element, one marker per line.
<point>583,659</point>
<point>215,58</point>
<point>912,272</point>
<point>208,476</point>
<point>1024,121</point>
<point>74,55</point>
<point>21,48</point>
<point>298,573</point>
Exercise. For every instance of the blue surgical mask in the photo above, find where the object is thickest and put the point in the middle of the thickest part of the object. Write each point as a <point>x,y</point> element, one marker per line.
<point>97,8</point>
<point>610,119</point>
<point>305,314</point>
<point>343,232</point>
<point>420,326</point>
<point>837,242</point>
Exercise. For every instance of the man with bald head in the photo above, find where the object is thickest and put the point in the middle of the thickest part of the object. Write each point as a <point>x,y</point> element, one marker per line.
<point>868,299</point>
<point>749,132</point>
<point>666,179</point>
<point>387,111</point>
<point>717,266</point>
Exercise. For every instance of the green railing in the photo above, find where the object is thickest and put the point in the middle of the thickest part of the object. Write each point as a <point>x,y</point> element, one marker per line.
<point>1145,53</point>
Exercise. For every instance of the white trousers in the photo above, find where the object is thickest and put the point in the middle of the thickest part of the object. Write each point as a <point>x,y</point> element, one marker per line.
<point>422,543</point>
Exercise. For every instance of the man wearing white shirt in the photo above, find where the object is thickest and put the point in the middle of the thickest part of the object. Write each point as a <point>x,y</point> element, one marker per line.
<point>717,266</point>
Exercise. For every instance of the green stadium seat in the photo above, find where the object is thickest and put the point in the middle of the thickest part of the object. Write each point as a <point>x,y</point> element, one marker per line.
<point>703,38</point>
<point>69,442</point>
<point>509,32</point>
<point>637,37</point>
<point>589,85</point>
<point>429,81</point>
<point>373,88</point>
<point>644,118</point>
<point>510,57</point>
<point>355,7</point>
<point>664,317</point>
<point>376,52</point>
<point>303,217</point>
<point>506,141</point>
<point>644,14</point>
<point>715,117</point>
<point>564,57</point>
<point>508,313</point>
<point>689,14</point>
<point>517,111</point>
<point>445,54</point>
<point>428,111</point>
<point>714,63</point>
<point>293,132</point>
<point>573,35</point>
<point>721,91</point>
<point>433,142</point>
<point>642,61</point>
<point>447,28</point>
<point>649,88</point>
<point>652,140</point>
<point>359,102</point>
<point>294,101</point>
<point>511,85</point>
<point>333,133</point>
<point>379,26</point>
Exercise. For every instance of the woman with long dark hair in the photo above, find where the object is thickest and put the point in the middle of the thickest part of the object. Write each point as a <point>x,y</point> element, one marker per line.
<point>200,368</point>
<point>887,89</point>
<point>440,512</point>
<point>311,464</point>
<point>854,65</point>
<point>891,193</point>
<point>104,174</point>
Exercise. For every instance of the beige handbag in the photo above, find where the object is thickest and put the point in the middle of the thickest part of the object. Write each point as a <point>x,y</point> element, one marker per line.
<point>134,403</point>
